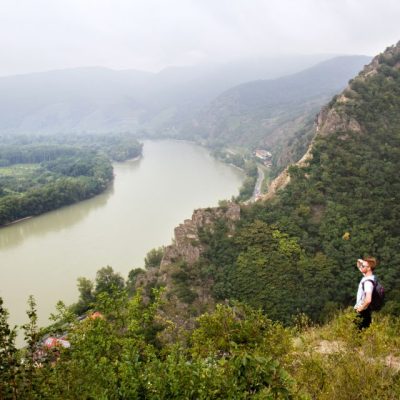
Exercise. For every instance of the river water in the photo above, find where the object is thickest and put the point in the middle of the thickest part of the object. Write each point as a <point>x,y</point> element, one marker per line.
<point>45,255</point>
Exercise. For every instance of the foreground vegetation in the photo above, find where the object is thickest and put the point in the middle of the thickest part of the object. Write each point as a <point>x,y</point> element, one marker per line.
<point>234,352</point>
<point>39,174</point>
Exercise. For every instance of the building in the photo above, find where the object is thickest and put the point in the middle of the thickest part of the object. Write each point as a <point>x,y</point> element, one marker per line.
<point>263,155</point>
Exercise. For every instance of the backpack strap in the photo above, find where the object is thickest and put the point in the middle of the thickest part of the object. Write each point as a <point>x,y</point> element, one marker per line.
<point>374,282</point>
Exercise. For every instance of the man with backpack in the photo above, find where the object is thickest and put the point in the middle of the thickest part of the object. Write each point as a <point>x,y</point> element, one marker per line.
<point>369,295</point>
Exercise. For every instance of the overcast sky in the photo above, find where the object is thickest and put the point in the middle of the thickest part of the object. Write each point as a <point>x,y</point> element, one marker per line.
<point>37,35</point>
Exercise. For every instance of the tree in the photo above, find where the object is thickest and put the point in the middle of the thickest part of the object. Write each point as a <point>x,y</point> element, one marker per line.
<point>153,258</point>
<point>8,357</point>
<point>86,296</point>
<point>108,281</point>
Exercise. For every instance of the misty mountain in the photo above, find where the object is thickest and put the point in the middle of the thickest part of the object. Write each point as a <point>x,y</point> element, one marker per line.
<point>97,100</point>
<point>200,84</point>
<point>73,100</point>
<point>268,112</point>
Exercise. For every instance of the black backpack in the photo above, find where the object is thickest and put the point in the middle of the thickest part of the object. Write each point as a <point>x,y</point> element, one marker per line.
<point>378,295</point>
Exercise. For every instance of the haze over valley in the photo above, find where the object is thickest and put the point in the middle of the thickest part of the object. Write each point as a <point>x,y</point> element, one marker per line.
<point>99,100</point>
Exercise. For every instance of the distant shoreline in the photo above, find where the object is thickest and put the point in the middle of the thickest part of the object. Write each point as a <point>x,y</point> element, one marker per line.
<point>129,159</point>
<point>16,221</point>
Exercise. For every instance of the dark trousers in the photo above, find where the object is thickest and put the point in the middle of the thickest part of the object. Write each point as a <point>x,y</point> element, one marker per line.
<point>363,319</point>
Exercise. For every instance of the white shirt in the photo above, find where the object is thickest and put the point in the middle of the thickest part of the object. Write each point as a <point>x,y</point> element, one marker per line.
<point>368,288</point>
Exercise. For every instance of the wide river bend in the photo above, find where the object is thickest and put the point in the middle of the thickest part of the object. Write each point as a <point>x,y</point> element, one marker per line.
<point>45,255</point>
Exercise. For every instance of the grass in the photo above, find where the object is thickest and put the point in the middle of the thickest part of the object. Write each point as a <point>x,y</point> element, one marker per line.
<point>338,362</point>
<point>19,170</point>
<point>19,178</point>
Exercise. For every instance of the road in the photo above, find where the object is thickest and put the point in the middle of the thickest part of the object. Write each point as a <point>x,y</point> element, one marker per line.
<point>257,187</point>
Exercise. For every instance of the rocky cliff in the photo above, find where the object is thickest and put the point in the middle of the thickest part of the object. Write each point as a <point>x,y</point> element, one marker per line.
<point>186,246</point>
<point>334,117</point>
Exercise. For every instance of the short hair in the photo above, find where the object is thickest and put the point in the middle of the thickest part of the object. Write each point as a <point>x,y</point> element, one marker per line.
<point>372,262</point>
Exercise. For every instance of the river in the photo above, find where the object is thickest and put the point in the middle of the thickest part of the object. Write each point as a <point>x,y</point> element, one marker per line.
<point>45,255</point>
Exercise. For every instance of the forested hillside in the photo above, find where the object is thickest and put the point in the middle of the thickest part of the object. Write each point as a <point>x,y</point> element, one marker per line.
<point>343,204</point>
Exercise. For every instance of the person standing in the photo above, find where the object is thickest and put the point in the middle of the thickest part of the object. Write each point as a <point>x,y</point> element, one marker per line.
<point>364,293</point>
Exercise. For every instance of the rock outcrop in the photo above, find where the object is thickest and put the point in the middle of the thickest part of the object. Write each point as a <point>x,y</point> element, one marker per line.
<point>331,119</point>
<point>334,118</point>
<point>278,183</point>
<point>186,245</point>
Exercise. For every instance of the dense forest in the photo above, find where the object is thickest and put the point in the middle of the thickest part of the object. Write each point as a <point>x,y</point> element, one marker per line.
<point>42,173</point>
<point>265,310</point>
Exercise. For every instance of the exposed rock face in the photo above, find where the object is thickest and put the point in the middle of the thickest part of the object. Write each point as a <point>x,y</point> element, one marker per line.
<point>328,120</point>
<point>331,120</point>
<point>186,245</point>
<point>334,118</point>
<point>278,183</point>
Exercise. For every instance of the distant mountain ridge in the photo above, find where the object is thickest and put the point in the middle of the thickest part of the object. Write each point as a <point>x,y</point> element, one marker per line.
<point>75,100</point>
<point>269,112</point>
<point>100,100</point>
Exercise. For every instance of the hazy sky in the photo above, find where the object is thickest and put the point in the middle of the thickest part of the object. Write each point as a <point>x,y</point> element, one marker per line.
<point>37,35</point>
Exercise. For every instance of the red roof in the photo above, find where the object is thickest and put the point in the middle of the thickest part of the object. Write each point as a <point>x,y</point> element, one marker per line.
<point>51,342</point>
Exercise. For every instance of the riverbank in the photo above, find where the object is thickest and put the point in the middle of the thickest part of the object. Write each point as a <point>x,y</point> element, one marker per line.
<point>62,191</point>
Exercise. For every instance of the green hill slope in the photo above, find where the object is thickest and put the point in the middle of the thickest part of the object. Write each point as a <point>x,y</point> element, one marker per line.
<point>266,112</point>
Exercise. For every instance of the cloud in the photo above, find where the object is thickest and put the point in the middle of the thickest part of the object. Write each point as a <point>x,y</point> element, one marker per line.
<point>151,34</point>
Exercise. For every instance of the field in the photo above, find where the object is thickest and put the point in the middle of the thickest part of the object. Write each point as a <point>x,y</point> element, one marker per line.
<point>19,178</point>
